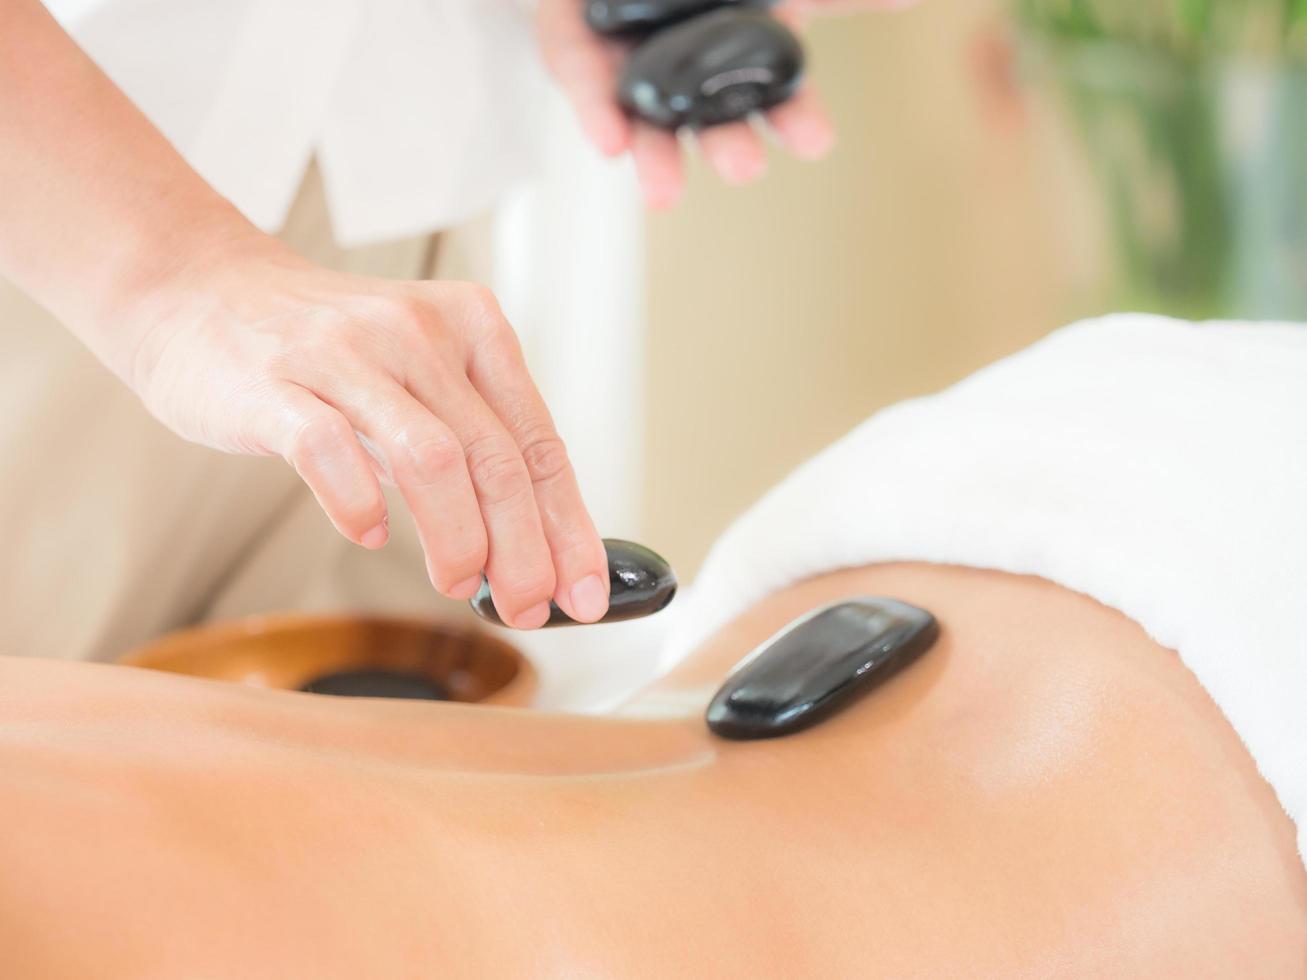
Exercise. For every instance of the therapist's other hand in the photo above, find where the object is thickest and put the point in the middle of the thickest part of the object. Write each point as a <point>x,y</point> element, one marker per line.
<point>279,357</point>
<point>587,67</point>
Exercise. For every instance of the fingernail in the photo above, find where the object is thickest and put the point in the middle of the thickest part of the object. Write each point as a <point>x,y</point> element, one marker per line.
<point>609,140</point>
<point>821,149</point>
<point>742,169</point>
<point>533,618</point>
<point>375,538</point>
<point>815,142</point>
<point>466,589</point>
<point>589,599</point>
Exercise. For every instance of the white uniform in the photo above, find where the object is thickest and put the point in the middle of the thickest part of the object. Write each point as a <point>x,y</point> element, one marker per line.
<point>419,112</point>
<point>116,530</point>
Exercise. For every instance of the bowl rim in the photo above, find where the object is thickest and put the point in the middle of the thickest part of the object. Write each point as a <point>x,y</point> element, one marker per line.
<point>516,693</point>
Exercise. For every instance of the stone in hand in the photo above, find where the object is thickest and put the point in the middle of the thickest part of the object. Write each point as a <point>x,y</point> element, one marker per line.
<point>713,69</point>
<point>646,16</point>
<point>641,583</point>
<point>818,665</point>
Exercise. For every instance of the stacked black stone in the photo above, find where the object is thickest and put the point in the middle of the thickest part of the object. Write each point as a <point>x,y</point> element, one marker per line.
<point>700,62</point>
<point>818,665</point>
<point>640,582</point>
<point>642,17</point>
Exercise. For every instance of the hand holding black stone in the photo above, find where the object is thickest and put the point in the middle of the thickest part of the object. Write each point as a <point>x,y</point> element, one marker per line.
<point>643,16</point>
<point>713,69</point>
<point>640,581</point>
<point>818,665</point>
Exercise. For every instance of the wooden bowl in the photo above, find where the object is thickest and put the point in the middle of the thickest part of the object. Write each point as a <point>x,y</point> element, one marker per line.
<point>290,651</point>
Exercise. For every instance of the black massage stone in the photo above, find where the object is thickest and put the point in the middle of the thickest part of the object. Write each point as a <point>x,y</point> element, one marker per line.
<point>644,16</point>
<point>641,583</point>
<point>377,684</point>
<point>713,69</point>
<point>818,665</point>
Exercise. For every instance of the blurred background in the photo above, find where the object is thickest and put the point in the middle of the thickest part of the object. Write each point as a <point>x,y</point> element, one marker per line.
<point>1003,168</point>
<point>946,230</point>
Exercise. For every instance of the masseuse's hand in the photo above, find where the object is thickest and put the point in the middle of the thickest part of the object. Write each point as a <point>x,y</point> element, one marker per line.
<point>587,67</point>
<point>271,355</point>
<point>235,342</point>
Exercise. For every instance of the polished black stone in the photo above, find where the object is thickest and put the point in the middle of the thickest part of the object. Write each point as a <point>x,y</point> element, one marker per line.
<point>645,16</point>
<point>713,69</point>
<point>641,583</point>
<point>817,665</point>
<point>377,684</point>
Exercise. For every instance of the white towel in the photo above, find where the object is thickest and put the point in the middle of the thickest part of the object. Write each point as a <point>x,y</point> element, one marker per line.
<point>1159,467</point>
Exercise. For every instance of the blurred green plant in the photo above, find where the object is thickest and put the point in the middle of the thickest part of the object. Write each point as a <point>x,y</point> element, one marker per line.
<point>1193,114</point>
<point>1185,28</point>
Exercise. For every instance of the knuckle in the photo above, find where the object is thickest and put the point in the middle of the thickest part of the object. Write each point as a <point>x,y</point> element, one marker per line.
<point>481,301</point>
<point>487,323</point>
<point>373,324</point>
<point>496,345</point>
<point>408,313</point>
<point>319,436</point>
<point>429,457</point>
<point>545,456</point>
<point>393,327</point>
<point>528,582</point>
<point>499,474</point>
<point>415,329</point>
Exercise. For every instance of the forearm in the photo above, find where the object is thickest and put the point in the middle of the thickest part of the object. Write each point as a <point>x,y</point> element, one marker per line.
<point>234,342</point>
<point>96,207</point>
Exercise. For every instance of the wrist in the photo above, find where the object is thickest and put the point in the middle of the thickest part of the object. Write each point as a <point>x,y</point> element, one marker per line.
<point>162,280</point>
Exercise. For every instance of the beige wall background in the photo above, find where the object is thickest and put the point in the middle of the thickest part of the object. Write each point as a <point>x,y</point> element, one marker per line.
<point>947,230</point>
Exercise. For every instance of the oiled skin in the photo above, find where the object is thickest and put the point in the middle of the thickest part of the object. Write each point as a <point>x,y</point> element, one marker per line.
<point>1046,793</point>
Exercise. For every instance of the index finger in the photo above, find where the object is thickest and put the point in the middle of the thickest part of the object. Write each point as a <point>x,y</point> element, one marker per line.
<point>658,165</point>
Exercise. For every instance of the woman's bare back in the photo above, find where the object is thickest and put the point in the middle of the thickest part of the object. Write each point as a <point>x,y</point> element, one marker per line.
<point>1046,792</point>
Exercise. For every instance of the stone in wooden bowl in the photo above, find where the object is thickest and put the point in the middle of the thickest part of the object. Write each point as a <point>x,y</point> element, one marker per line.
<point>366,656</point>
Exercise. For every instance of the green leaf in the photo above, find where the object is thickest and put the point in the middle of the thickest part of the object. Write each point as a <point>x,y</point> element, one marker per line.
<point>1182,28</point>
<point>1195,16</point>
